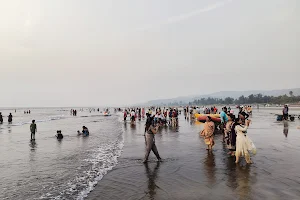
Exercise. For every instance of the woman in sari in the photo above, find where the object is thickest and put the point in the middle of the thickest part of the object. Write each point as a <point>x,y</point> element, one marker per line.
<point>208,133</point>
<point>244,145</point>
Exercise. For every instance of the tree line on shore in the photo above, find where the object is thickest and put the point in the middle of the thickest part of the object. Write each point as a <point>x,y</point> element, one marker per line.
<point>251,99</point>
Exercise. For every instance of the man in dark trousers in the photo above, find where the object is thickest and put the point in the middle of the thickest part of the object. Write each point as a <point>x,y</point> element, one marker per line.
<point>33,129</point>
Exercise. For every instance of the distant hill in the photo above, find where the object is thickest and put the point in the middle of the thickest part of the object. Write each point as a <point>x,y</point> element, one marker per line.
<point>223,94</point>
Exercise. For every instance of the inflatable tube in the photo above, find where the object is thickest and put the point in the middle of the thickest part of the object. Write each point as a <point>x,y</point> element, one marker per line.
<point>205,115</point>
<point>106,114</point>
<point>203,119</point>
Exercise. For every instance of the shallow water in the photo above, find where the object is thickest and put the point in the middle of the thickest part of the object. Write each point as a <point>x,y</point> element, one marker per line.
<point>71,168</point>
<point>52,169</point>
<point>189,172</point>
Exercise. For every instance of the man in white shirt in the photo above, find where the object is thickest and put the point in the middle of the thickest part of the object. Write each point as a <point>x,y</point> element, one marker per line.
<point>132,116</point>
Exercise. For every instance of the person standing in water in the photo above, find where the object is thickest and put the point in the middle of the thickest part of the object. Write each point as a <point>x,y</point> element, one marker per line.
<point>244,145</point>
<point>224,120</point>
<point>208,133</point>
<point>10,118</point>
<point>150,139</point>
<point>285,112</point>
<point>85,131</point>
<point>125,115</point>
<point>33,129</point>
<point>1,118</point>
<point>59,135</point>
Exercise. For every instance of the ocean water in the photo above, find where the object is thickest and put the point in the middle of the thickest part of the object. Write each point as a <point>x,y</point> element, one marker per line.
<point>73,167</point>
<point>52,169</point>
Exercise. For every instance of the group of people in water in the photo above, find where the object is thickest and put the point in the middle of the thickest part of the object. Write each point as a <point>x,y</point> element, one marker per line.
<point>73,112</point>
<point>10,118</point>
<point>246,108</point>
<point>234,130</point>
<point>165,116</point>
<point>33,129</point>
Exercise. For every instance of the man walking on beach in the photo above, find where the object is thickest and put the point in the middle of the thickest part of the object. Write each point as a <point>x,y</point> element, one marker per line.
<point>33,130</point>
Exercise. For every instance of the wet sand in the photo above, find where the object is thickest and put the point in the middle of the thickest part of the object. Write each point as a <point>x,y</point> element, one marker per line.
<point>188,171</point>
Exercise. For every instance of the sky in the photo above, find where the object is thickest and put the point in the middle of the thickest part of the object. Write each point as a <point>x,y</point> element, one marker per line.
<point>120,52</point>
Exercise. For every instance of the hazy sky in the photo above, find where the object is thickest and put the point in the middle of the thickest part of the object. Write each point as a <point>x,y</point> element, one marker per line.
<point>115,52</point>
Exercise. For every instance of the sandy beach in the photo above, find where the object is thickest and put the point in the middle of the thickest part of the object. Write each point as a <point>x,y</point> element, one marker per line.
<point>188,171</point>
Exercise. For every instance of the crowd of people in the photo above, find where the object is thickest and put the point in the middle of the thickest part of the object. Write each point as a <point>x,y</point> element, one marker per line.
<point>26,111</point>
<point>246,108</point>
<point>234,130</point>
<point>165,116</point>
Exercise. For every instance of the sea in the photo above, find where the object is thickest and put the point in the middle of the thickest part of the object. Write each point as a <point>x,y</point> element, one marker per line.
<point>51,169</point>
<point>108,163</point>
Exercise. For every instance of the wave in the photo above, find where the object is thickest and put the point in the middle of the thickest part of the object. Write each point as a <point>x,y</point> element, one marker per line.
<point>98,163</point>
<point>108,159</point>
<point>50,118</point>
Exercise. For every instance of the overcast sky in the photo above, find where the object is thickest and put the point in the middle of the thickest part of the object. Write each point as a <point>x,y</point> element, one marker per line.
<point>116,52</point>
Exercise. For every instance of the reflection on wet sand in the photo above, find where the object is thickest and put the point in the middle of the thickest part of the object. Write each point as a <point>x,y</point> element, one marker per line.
<point>9,129</point>
<point>152,176</point>
<point>132,126</point>
<point>125,126</point>
<point>210,168</point>
<point>285,128</point>
<point>243,178</point>
<point>32,145</point>
<point>239,179</point>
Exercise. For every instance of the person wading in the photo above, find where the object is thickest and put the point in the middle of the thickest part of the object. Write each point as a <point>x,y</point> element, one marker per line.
<point>1,118</point>
<point>10,118</point>
<point>33,129</point>
<point>208,133</point>
<point>150,140</point>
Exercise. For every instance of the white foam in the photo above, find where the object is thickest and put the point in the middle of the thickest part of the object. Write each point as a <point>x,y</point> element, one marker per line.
<point>50,118</point>
<point>109,158</point>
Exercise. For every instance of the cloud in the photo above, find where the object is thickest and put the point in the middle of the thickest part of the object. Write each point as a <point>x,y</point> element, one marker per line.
<point>185,16</point>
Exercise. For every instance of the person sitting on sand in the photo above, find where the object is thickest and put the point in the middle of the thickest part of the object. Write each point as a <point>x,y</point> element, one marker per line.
<point>59,135</point>
<point>208,133</point>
